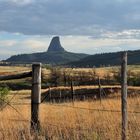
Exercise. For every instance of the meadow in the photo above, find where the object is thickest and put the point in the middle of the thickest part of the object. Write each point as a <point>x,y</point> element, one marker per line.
<point>90,119</point>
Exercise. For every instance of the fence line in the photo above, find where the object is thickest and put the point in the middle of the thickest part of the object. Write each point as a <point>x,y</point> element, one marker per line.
<point>14,103</point>
<point>11,106</point>
<point>94,109</point>
<point>16,76</point>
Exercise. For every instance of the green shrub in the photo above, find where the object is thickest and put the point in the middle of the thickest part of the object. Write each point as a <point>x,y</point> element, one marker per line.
<point>4,91</point>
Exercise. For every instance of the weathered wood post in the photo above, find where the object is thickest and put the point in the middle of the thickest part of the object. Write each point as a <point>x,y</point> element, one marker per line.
<point>60,96</point>
<point>124,95</point>
<point>50,95</point>
<point>65,79</point>
<point>72,90</point>
<point>100,90</point>
<point>35,96</point>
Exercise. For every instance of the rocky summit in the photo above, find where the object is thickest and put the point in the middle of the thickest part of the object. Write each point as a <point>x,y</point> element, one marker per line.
<point>55,45</point>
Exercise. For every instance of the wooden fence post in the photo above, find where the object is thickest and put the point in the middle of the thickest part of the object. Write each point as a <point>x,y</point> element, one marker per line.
<point>100,90</point>
<point>50,95</point>
<point>124,95</point>
<point>72,90</point>
<point>60,96</point>
<point>35,96</point>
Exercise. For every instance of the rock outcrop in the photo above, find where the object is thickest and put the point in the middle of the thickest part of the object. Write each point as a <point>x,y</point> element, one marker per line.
<point>55,45</point>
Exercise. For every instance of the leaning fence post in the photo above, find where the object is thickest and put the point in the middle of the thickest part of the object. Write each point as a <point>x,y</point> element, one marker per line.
<point>35,96</point>
<point>124,95</point>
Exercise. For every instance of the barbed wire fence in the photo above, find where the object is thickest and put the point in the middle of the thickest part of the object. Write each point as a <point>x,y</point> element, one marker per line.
<point>129,114</point>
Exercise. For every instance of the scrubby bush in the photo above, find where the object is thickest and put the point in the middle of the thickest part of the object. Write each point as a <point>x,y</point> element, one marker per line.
<point>4,91</point>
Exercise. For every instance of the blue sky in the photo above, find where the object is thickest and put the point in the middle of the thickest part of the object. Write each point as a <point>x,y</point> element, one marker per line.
<point>87,26</point>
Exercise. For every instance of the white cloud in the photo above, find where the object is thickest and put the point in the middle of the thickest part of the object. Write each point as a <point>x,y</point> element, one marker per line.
<point>86,44</point>
<point>33,44</point>
<point>7,43</point>
<point>124,34</point>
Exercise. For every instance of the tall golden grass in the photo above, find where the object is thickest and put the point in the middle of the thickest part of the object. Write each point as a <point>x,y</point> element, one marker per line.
<point>70,121</point>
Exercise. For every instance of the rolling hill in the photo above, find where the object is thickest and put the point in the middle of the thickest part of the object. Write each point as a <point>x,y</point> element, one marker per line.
<point>107,59</point>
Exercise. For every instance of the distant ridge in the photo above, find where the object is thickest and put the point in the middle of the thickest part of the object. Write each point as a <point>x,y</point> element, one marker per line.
<point>107,59</point>
<point>55,55</point>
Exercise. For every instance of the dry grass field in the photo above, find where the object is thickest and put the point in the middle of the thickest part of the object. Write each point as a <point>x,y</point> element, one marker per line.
<point>87,120</point>
<point>5,70</point>
<point>78,120</point>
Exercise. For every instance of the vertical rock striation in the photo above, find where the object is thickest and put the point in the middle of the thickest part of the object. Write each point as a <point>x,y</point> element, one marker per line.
<point>55,45</point>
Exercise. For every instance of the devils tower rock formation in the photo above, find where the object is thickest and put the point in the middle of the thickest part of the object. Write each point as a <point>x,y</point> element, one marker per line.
<point>55,55</point>
<point>55,45</point>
